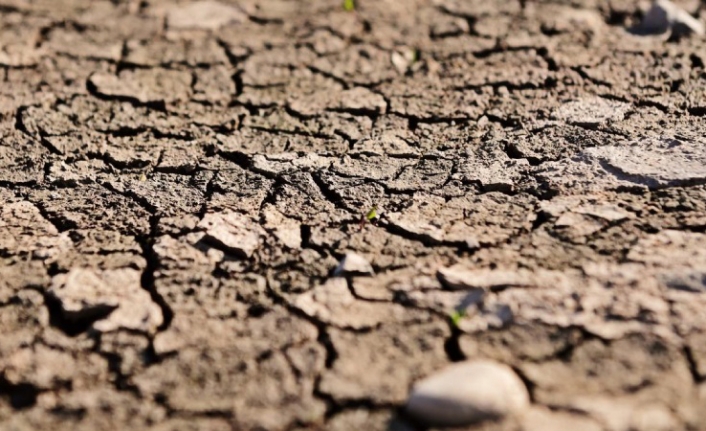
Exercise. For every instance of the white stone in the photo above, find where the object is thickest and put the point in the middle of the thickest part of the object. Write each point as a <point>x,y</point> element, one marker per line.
<point>467,393</point>
<point>353,264</point>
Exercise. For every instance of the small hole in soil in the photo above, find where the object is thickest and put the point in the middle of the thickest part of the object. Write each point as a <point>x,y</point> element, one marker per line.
<point>21,396</point>
<point>257,310</point>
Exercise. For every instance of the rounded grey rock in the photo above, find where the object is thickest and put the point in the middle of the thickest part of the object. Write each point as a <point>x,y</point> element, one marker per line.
<point>466,393</point>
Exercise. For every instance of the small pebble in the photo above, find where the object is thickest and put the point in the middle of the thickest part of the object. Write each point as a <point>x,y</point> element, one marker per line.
<point>665,16</point>
<point>353,264</point>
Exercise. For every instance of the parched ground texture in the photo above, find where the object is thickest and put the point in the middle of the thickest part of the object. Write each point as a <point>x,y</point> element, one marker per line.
<point>180,180</point>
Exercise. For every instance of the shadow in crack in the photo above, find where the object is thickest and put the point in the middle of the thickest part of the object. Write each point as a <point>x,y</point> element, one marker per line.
<point>75,323</point>
<point>21,396</point>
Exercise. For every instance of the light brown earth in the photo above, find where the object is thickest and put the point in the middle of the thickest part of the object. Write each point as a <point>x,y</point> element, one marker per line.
<point>180,180</point>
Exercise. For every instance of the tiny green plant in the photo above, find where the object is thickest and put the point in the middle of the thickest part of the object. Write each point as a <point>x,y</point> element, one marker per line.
<point>370,217</point>
<point>456,317</point>
<point>349,5</point>
<point>372,214</point>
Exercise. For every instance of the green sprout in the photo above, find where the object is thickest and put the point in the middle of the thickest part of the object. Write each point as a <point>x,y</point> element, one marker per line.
<point>372,214</point>
<point>456,317</point>
<point>349,5</point>
<point>370,217</point>
<point>415,55</point>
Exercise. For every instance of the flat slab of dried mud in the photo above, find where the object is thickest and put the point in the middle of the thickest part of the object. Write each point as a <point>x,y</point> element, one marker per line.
<point>180,180</point>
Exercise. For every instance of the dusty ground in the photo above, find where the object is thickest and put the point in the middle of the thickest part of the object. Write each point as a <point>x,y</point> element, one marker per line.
<point>178,187</point>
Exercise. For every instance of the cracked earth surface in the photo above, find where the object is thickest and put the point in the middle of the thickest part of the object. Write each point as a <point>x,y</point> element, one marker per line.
<point>179,182</point>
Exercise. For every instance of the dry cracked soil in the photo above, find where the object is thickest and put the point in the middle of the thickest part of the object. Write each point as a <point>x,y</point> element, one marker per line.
<point>184,185</point>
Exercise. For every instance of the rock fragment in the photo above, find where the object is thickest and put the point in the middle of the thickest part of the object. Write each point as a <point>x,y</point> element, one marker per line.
<point>353,264</point>
<point>692,281</point>
<point>665,16</point>
<point>403,60</point>
<point>468,393</point>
